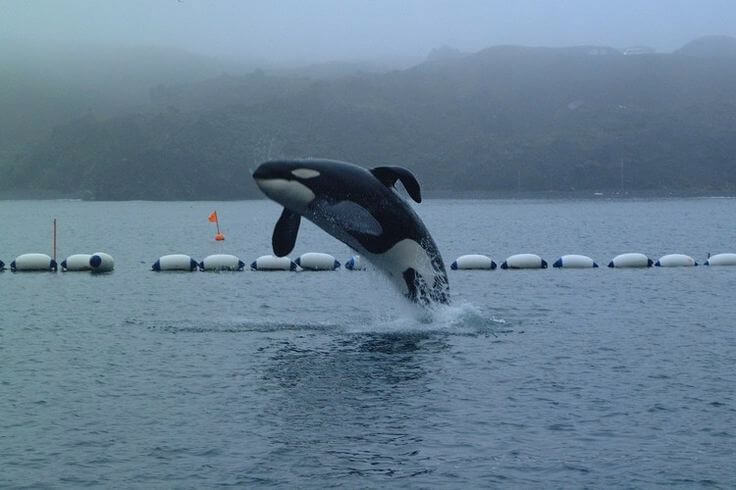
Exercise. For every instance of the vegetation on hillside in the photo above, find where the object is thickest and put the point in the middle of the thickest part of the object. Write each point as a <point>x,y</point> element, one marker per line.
<point>505,118</point>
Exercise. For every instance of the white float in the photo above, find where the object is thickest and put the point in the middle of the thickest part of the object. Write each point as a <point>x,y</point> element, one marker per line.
<point>101,262</point>
<point>221,262</point>
<point>721,259</point>
<point>574,262</point>
<point>630,260</point>
<point>315,261</point>
<point>76,262</point>
<point>175,262</point>
<point>355,263</point>
<point>33,262</point>
<point>524,261</point>
<point>472,262</point>
<point>675,260</point>
<point>273,263</point>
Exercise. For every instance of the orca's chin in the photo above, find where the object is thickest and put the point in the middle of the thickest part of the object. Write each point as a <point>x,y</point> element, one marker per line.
<point>289,193</point>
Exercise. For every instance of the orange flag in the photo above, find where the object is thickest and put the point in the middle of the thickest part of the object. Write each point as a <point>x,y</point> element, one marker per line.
<point>213,217</point>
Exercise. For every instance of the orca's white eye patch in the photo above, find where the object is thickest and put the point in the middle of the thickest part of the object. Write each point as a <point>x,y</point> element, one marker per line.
<point>305,173</point>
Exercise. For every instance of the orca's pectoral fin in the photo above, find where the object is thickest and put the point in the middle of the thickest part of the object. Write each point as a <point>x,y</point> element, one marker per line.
<point>389,175</point>
<point>284,233</point>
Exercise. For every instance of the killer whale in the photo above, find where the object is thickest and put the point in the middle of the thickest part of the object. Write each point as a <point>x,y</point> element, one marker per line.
<point>361,208</point>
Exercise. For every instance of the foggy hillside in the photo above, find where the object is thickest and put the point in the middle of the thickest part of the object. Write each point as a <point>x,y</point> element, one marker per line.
<point>45,85</point>
<point>49,84</point>
<point>710,47</point>
<point>504,118</point>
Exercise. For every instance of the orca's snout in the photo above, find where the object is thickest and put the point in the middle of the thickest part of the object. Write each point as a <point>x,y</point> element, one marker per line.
<point>277,180</point>
<point>263,172</point>
<point>272,170</point>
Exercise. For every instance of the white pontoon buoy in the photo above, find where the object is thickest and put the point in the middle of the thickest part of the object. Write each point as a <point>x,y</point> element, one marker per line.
<point>273,263</point>
<point>675,260</point>
<point>33,262</point>
<point>473,262</point>
<point>221,262</point>
<point>175,262</point>
<point>355,263</point>
<point>574,262</point>
<point>524,261</point>
<point>315,261</point>
<point>76,263</point>
<point>101,262</point>
<point>721,259</point>
<point>631,260</point>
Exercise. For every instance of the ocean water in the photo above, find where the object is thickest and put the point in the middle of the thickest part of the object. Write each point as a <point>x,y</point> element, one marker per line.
<point>547,378</point>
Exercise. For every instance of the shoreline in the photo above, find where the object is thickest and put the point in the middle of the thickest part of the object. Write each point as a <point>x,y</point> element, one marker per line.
<point>436,194</point>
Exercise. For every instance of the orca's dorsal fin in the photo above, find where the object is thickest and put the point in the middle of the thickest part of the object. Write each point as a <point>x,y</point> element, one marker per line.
<point>389,175</point>
<point>284,233</point>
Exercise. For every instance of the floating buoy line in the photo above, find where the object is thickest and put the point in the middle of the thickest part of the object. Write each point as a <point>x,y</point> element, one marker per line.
<point>473,262</point>
<point>355,263</point>
<point>221,262</point>
<point>524,261</point>
<point>273,263</point>
<point>97,262</point>
<point>314,261</point>
<point>33,262</point>
<point>101,262</point>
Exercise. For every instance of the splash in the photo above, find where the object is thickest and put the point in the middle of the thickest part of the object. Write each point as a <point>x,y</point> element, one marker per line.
<point>457,319</point>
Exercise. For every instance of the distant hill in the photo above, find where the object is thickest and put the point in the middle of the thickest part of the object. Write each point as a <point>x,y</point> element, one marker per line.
<point>225,91</point>
<point>710,47</point>
<point>338,69</point>
<point>444,53</point>
<point>503,119</point>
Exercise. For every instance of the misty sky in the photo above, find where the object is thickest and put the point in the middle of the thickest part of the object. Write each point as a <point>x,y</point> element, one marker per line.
<point>304,31</point>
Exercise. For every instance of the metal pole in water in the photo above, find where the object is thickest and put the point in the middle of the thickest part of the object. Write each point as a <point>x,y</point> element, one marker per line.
<point>54,245</point>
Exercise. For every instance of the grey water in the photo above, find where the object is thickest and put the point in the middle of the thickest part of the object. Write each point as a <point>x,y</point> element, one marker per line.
<point>545,378</point>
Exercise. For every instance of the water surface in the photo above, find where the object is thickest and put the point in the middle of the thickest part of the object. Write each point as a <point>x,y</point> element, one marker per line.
<point>531,378</point>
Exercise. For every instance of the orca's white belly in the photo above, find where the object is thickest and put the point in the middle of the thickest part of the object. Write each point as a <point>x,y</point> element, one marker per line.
<point>404,255</point>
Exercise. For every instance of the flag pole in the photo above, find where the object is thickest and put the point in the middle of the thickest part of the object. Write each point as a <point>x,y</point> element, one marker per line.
<point>219,236</point>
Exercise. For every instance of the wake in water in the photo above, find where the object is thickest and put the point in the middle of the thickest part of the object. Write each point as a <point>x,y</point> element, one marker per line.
<point>457,319</point>
<point>239,326</point>
<point>370,306</point>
